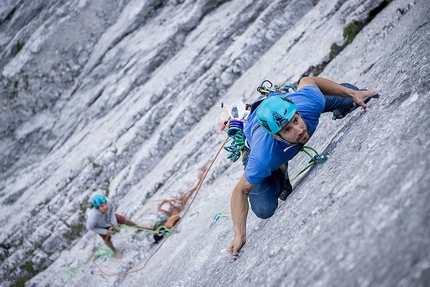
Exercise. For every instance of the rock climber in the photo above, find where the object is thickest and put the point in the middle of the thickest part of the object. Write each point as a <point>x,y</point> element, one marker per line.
<point>103,220</point>
<point>275,132</point>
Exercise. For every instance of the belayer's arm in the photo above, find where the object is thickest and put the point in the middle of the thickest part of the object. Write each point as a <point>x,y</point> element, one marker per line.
<point>328,87</point>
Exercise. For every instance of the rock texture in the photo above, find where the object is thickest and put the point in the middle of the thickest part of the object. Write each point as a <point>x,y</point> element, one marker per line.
<point>122,97</point>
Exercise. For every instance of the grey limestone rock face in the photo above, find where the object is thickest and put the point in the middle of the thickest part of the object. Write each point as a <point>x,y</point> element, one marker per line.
<point>122,98</point>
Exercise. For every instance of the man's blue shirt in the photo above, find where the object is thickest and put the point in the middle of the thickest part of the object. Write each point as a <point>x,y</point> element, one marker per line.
<point>267,153</point>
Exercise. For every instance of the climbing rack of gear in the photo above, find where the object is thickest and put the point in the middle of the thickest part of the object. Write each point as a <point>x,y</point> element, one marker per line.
<point>232,121</point>
<point>236,139</point>
<point>235,113</point>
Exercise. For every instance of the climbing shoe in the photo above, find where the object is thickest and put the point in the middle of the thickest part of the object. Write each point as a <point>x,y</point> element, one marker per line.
<point>288,189</point>
<point>341,113</point>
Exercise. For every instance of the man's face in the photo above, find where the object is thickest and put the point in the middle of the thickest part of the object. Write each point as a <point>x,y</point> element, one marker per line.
<point>103,207</point>
<point>295,132</point>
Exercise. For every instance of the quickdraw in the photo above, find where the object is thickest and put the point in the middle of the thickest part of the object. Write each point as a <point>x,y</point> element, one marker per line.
<point>217,216</point>
<point>316,158</point>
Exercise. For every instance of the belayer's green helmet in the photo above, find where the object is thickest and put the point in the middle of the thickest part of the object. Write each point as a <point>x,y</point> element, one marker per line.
<point>98,199</point>
<point>274,113</point>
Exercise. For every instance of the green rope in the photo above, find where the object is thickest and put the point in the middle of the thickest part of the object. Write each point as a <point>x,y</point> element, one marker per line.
<point>306,152</point>
<point>303,170</point>
<point>317,158</point>
<point>308,147</point>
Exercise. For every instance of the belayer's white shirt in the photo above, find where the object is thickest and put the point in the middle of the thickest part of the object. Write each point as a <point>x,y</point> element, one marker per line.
<point>98,221</point>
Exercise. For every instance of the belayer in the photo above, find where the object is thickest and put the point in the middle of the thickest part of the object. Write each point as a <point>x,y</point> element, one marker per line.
<point>103,220</point>
<point>275,132</point>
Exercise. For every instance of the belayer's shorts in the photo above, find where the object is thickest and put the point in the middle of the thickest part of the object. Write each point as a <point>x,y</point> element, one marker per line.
<point>120,219</point>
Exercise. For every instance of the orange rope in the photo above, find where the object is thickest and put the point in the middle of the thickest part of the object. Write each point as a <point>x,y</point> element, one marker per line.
<point>197,188</point>
<point>178,203</point>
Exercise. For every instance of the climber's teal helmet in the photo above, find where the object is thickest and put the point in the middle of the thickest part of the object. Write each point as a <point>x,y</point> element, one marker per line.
<point>274,113</point>
<point>98,199</point>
